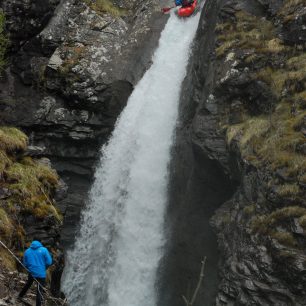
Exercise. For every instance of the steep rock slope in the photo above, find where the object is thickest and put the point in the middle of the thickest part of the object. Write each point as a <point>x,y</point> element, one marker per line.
<point>28,188</point>
<point>243,114</point>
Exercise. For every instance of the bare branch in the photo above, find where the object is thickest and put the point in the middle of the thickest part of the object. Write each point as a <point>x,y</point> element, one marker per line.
<point>201,276</point>
<point>185,300</point>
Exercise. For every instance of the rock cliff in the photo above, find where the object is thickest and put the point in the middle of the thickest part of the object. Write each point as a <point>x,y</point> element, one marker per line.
<point>28,188</point>
<point>67,73</point>
<point>72,67</point>
<point>239,159</point>
<point>242,134</point>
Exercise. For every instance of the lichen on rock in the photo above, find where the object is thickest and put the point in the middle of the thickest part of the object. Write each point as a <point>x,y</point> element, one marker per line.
<point>267,136</point>
<point>243,111</point>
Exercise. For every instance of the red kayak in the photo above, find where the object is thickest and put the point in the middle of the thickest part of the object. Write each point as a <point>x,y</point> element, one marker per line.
<point>187,10</point>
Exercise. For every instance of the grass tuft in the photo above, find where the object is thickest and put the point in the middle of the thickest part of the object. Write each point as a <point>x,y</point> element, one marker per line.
<point>284,238</point>
<point>272,141</point>
<point>265,224</point>
<point>32,182</point>
<point>302,221</point>
<point>6,226</point>
<point>249,32</point>
<point>106,7</point>
<point>12,140</point>
<point>287,190</point>
<point>250,209</point>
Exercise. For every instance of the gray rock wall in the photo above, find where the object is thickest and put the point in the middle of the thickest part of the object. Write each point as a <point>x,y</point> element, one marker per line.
<point>256,265</point>
<point>199,181</point>
<point>71,72</point>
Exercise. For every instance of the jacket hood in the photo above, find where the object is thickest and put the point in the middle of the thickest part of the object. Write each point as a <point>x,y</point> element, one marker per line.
<point>36,244</point>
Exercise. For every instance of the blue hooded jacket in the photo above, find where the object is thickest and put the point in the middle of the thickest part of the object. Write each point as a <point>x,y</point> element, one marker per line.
<point>37,259</point>
<point>183,2</point>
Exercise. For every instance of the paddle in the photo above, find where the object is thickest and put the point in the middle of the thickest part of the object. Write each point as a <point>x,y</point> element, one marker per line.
<point>167,9</point>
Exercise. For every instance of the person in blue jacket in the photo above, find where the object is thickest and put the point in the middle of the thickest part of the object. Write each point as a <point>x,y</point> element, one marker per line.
<point>183,3</point>
<point>36,259</point>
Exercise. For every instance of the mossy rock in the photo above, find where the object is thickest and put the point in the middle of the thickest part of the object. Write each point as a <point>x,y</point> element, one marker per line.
<point>106,7</point>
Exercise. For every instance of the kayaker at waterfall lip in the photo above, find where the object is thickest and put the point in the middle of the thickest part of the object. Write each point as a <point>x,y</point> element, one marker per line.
<point>36,259</point>
<point>187,7</point>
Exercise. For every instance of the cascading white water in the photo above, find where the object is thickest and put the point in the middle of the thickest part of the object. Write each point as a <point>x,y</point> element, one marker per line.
<point>115,258</point>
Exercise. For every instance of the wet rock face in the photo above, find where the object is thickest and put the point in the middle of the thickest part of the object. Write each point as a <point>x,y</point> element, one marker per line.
<point>235,101</point>
<point>198,181</point>
<point>292,28</point>
<point>72,71</point>
<point>25,19</point>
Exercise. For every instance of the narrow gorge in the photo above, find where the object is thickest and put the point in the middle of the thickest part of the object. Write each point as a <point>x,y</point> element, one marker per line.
<point>134,143</point>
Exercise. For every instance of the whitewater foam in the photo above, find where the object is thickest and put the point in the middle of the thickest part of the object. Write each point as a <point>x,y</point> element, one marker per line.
<point>116,256</point>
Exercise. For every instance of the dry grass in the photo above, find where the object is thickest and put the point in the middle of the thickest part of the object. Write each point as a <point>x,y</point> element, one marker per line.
<point>32,182</point>
<point>12,139</point>
<point>7,260</point>
<point>287,190</point>
<point>302,221</point>
<point>6,226</point>
<point>250,209</point>
<point>284,238</point>
<point>5,161</point>
<point>266,223</point>
<point>249,32</point>
<point>105,7</point>
<point>288,8</point>
<point>273,140</point>
<point>302,178</point>
<point>287,77</point>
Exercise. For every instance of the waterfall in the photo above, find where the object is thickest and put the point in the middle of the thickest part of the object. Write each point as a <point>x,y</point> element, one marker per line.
<point>115,258</point>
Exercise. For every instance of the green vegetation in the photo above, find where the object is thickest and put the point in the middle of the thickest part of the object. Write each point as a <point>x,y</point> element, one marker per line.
<point>3,40</point>
<point>272,141</point>
<point>288,77</point>
<point>11,140</point>
<point>30,184</point>
<point>288,8</point>
<point>7,260</point>
<point>106,7</point>
<point>250,209</point>
<point>267,224</point>
<point>284,238</point>
<point>6,225</point>
<point>302,221</point>
<point>249,32</point>
<point>287,190</point>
